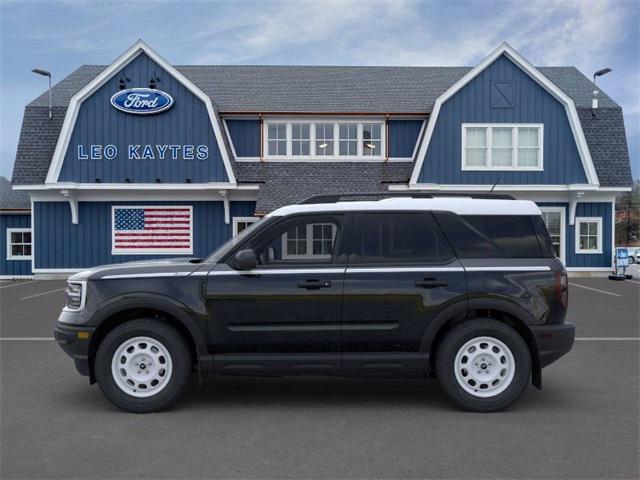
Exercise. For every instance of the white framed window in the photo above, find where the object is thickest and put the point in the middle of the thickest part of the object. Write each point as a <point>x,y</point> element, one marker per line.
<point>554,219</point>
<point>324,139</point>
<point>277,139</point>
<point>588,235</point>
<point>240,223</point>
<point>311,240</point>
<point>152,230</point>
<point>300,139</point>
<point>502,146</point>
<point>18,244</point>
<point>324,143</point>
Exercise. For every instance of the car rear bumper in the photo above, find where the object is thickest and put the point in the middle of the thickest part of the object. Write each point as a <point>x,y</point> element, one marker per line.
<point>554,341</point>
<point>75,343</point>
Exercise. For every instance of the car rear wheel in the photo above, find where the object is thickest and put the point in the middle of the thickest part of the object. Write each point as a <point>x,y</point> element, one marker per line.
<point>483,365</point>
<point>143,365</point>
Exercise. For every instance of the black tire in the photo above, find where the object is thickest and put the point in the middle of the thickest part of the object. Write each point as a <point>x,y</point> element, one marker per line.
<point>456,338</point>
<point>180,356</point>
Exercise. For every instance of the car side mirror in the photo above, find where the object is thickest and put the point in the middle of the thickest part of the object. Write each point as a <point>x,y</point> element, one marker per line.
<point>245,260</point>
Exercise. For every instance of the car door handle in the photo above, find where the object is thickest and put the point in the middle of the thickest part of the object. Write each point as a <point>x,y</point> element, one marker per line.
<point>431,283</point>
<point>314,284</point>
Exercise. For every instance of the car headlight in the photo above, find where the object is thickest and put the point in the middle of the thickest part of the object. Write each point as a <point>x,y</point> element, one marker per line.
<point>76,293</point>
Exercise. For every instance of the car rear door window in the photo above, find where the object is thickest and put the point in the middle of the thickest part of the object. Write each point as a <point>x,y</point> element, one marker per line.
<point>491,236</point>
<point>407,238</point>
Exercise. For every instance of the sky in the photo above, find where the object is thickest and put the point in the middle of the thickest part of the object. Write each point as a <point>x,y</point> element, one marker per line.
<point>62,35</point>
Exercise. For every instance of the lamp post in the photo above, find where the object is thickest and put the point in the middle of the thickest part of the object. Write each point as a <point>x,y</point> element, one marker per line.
<point>45,73</point>
<point>594,101</point>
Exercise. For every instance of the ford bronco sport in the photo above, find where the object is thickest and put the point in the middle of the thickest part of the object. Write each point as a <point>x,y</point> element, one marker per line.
<point>465,289</point>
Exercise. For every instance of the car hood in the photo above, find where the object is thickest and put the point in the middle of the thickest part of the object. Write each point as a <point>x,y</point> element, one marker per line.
<point>145,268</point>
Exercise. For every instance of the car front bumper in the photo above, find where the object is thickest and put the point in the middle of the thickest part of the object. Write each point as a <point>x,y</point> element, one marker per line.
<point>554,341</point>
<point>75,340</point>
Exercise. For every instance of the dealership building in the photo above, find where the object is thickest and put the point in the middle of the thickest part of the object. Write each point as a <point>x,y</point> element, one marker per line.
<point>142,159</point>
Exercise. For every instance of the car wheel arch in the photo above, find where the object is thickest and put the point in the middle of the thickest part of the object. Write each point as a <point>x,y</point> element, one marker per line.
<point>498,309</point>
<point>119,311</point>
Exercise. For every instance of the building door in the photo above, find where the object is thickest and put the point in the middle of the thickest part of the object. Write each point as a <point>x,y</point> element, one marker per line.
<point>554,219</point>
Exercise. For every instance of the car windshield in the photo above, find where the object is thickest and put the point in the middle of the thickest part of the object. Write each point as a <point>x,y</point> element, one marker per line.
<point>230,244</point>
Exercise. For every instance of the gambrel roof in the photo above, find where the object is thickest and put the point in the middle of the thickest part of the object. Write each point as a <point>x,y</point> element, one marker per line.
<point>317,89</point>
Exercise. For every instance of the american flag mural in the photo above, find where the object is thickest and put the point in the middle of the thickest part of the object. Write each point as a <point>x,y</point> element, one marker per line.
<point>153,230</point>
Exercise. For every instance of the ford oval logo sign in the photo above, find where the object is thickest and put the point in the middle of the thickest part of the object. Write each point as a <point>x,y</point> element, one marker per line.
<point>142,101</point>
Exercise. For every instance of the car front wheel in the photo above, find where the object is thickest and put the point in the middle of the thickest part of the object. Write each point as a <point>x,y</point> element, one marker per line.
<point>143,365</point>
<point>483,365</point>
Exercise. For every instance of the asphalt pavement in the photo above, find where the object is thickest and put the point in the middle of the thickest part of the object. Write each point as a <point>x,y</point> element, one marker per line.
<point>584,423</point>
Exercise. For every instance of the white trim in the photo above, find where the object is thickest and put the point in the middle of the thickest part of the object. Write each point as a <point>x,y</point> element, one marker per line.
<point>502,188</point>
<point>506,268</point>
<point>136,186</point>
<point>402,269</point>
<point>159,251</point>
<point>598,222</point>
<point>132,53</point>
<point>58,270</point>
<point>588,269</point>
<point>535,74</point>
<point>9,243</point>
<point>312,157</point>
<point>613,233</point>
<point>563,229</point>
<point>142,195</point>
<point>276,271</point>
<point>539,167</point>
<point>16,277</point>
<point>237,220</point>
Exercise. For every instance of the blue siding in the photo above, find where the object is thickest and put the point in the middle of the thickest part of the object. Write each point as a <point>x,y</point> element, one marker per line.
<point>187,123</point>
<point>60,244</point>
<point>403,135</point>
<point>594,209</point>
<point>530,103</point>
<point>245,135</point>
<point>13,267</point>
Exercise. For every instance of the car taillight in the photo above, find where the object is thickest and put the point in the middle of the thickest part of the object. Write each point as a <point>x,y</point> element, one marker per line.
<point>562,289</point>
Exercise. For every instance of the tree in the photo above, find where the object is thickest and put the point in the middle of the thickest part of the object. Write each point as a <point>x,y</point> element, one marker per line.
<point>628,217</point>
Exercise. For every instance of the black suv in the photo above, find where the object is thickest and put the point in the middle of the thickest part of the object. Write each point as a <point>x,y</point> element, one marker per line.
<point>461,288</point>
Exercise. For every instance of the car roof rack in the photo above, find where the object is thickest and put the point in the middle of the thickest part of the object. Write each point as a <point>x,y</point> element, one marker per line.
<point>336,197</point>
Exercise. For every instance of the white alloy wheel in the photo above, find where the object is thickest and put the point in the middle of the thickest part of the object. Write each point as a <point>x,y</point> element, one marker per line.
<point>484,367</point>
<point>141,367</point>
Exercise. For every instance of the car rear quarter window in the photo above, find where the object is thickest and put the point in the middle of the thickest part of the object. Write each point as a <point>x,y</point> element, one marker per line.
<point>401,238</point>
<point>491,236</point>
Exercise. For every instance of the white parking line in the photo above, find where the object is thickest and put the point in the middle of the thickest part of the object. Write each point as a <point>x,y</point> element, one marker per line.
<point>18,284</point>
<point>595,289</point>
<point>43,293</point>
<point>634,281</point>
<point>614,339</point>
<point>26,339</point>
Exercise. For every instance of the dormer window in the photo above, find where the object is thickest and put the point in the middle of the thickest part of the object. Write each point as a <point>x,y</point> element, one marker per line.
<point>339,139</point>
<point>502,146</point>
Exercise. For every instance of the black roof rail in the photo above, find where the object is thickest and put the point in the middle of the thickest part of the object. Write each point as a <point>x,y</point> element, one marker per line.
<point>335,197</point>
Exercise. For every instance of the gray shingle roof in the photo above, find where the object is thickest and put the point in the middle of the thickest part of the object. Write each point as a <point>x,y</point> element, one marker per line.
<point>11,199</point>
<point>291,182</point>
<point>325,89</point>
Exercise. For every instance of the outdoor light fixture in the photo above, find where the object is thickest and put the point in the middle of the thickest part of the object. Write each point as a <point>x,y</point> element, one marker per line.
<point>153,81</point>
<point>594,101</point>
<point>45,73</point>
<point>122,84</point>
